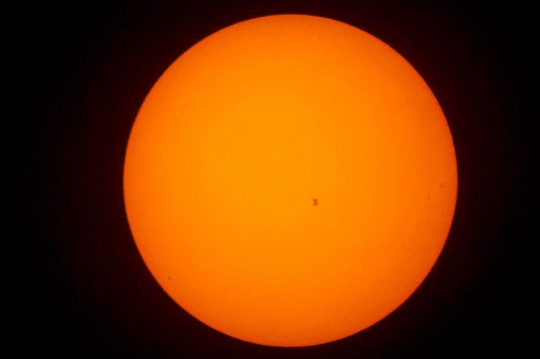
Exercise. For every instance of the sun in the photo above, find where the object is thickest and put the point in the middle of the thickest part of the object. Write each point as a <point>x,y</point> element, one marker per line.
<point>290,180</point>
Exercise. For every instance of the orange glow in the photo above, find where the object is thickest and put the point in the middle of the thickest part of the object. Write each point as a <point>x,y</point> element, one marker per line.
<point>290,180</point>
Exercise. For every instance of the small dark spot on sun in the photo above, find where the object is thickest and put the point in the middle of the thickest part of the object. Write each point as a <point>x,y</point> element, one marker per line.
<point>169,278</point>
<point>315,202</point>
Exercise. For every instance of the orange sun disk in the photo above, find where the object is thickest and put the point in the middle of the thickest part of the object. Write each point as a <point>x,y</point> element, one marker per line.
<point>290,180</point>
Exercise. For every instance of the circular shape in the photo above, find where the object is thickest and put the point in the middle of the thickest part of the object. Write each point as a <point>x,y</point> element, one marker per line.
<point>290,180</point>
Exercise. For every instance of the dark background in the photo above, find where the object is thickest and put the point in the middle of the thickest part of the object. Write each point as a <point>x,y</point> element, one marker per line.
<point>82,71</point>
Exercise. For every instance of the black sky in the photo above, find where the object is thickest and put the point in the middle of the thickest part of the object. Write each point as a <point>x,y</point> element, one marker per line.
<point>84,70</point>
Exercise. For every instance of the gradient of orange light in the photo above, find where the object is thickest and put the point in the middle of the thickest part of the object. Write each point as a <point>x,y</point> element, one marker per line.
<point>237,139</point>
